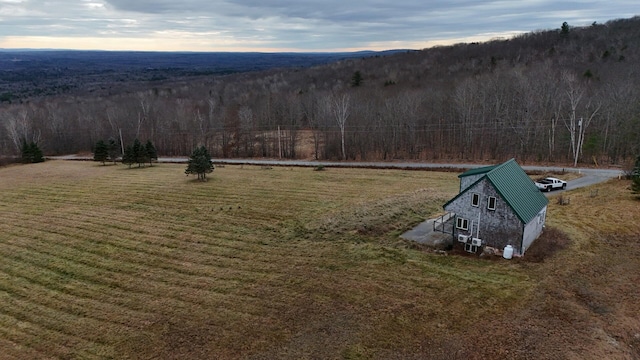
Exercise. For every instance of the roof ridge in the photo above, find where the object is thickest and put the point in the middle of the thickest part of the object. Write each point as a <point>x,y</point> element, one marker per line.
<point>499,166</point>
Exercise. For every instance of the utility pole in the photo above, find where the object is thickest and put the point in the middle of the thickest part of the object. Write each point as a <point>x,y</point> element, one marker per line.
<point>579,145</point>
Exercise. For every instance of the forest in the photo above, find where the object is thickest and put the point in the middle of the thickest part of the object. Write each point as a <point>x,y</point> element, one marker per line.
<point>569,95</point>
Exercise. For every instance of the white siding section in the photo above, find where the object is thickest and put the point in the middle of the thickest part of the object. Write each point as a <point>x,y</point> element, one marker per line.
<point>533,229</point>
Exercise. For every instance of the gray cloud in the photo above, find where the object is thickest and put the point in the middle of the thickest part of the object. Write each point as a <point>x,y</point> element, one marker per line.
<point>296,24</point>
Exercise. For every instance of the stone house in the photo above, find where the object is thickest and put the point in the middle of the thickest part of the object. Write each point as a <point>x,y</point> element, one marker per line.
<point>497,206</point>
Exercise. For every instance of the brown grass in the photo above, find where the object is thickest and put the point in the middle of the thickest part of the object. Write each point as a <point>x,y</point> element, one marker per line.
<point>548,244</point>
<point>584,305</point>
<point>105,262</point>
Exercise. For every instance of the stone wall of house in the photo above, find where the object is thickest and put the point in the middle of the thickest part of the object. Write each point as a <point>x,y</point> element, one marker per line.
<point>498,228</point>
<point>466,181</point>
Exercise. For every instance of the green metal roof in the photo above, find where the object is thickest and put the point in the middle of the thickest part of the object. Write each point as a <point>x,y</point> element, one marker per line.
<point>515,187</point>
<point>477,171</point>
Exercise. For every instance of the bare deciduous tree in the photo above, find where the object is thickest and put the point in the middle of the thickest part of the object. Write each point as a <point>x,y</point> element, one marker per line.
<point>339,108</point>
<point>19,128</point>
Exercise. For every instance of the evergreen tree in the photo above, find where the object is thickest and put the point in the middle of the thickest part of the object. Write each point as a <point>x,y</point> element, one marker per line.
<point>635,177</point>
<point>27,157</point>
<point>101,152</point>
<point>128,158</point>
<point>356,79</point>
<point>36,153</point>
<point>31,153</point>
<point>139,153</point>
<point>113,148</point>
<point>151,152</point>
<point>200,163</point>
<point>38,156</point>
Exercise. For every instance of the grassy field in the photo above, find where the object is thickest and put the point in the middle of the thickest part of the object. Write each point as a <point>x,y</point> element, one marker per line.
<point>108,262</point>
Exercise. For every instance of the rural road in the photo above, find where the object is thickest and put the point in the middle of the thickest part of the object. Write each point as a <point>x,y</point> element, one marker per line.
<point>590,176</point>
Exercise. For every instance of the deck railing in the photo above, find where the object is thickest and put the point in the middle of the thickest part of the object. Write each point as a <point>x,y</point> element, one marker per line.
<point>444,223</point>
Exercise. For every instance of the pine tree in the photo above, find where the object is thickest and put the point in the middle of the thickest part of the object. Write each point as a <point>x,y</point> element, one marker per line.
<point>200,163</point>
<point>128,157</point>
<point>38,156</point>
<point>139,153</point>
<point>635,177</point>
<point>356,79</point>
<point>31,153</point>
<point>151,152</point>
<point>27,156</point>
<point>101,152</point>
<point>113,148</point>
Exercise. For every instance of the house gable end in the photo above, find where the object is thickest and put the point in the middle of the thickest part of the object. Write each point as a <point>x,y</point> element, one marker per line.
<point>478,187</point>
<point>462,192</point>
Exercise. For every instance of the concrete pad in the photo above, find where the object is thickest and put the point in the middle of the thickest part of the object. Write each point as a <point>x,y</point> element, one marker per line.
<point>424,234</point>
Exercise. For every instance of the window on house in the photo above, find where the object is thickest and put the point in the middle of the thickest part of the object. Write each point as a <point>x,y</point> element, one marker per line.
<point>475,200</point>
<point>492,203</point>
<point>541,217</point>
<point>462,223</point>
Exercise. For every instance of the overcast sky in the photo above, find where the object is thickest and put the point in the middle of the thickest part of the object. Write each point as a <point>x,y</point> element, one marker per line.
<point>285,25</point>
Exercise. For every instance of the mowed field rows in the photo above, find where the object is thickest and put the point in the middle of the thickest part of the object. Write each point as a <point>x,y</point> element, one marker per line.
<point>110,262</point>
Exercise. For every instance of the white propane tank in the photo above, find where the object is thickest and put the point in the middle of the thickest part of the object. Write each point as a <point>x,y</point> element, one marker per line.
<point>508,252</point>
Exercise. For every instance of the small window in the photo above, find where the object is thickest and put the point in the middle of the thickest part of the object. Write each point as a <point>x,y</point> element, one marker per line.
<point>541,217</point>
<point>462,223</point>
<point>475,200</point>
<point>492,203</point>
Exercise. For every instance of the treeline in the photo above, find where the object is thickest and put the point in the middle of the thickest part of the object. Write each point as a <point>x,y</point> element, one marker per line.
<point>567,95</point>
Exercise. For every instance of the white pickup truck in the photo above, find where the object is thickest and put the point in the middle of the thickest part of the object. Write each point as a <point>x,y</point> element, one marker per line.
<point>550,183</point>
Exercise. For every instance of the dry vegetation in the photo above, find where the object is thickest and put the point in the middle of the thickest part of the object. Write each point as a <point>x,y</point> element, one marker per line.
<point>107,262</point>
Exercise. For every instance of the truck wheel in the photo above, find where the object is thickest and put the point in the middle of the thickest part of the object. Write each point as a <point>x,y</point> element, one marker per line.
<point>564,186</point>
<point>549,188</point>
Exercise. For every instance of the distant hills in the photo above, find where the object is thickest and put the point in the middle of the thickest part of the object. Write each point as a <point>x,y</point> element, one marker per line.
<point>32,72</point>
